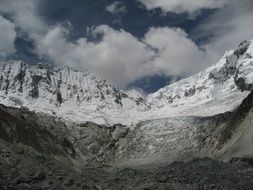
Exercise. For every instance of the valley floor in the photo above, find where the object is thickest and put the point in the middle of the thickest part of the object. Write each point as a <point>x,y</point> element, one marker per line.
<point>42,172</point>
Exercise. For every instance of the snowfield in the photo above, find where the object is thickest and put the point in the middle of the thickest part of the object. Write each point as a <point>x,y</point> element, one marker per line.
<point>76,96</point>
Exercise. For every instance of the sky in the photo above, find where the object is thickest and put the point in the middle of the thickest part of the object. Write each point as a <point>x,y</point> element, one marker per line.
<point>124,41</point>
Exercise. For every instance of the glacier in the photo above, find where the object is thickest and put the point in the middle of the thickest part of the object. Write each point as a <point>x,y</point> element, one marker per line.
<point>77,96</point>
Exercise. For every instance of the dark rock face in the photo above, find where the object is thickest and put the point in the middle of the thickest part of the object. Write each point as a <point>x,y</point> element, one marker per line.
<point>242,85</point>
<point>224,73</point>
<point>59,96</point>
<point>17,129</point>
<point>240,82</point>
<point>243,47</point>
<point>21,75</point>
<point>190,92</point>
<point>245,160</point>
<point>230,128</point>
<point>35,89</point>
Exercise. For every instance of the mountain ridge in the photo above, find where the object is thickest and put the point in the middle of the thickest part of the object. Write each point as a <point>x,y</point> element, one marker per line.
<point>50,89</point>
<point>78,96</point>
<point>44,146</point>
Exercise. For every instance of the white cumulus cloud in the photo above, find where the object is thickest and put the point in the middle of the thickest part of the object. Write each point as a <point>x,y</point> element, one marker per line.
<point>116,7</point>
<point>177,54</point>
<point>121,58</point>
<point>226,28</point>
<point>180,6</point>
<point>7,37</point>
<point>23,13</point>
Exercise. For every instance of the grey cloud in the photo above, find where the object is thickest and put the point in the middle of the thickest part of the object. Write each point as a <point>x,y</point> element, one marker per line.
<point>121,58</point>
<point>7,37</point>
<point>227,28</point>
<point>116,7</point>
<point>24,15</point>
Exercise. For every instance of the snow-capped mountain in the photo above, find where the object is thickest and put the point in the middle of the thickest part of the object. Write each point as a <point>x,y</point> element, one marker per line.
<point>212,91</point>
<point>77,96</point>
<point>65,92</point>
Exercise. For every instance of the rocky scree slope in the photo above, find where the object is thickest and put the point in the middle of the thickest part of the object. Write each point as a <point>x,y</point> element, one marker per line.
<point>83,160</point>
<point>234,137</point>
<point>38,151</point>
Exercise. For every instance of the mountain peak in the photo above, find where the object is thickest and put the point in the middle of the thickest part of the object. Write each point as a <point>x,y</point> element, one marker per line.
<point>62,90</point>
<point>244,73</point>
<point>78,96</point>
